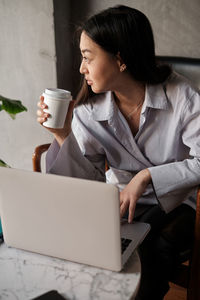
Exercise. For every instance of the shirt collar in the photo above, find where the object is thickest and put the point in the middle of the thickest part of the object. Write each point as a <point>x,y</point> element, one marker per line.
<point>104,106</point>
<point>156,97</point>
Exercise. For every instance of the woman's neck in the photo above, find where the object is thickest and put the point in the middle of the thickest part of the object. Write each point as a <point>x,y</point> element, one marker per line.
<point>130,94</point>
<point>129,101</point>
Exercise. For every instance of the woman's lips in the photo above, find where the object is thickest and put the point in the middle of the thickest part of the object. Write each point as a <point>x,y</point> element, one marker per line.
<point>89,82</point>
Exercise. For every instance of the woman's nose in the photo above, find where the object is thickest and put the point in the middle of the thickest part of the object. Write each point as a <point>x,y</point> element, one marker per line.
<point>82,68</point>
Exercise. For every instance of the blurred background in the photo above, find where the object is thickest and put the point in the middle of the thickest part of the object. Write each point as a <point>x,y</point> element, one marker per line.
<point>38,49</point>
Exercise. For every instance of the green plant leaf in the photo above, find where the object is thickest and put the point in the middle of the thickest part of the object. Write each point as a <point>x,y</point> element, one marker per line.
<point>3,164</point>
<point>12,107</point>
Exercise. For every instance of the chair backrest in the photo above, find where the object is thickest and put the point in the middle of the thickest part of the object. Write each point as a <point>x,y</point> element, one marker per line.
<point>193,292</point>
<point>188,67</point>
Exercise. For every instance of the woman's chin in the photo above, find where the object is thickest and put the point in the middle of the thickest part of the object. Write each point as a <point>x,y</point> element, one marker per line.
<point>97,90</point>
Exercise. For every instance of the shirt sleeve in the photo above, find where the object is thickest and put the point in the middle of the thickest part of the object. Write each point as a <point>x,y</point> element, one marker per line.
<point>172,182</point>
<point>76,157</point>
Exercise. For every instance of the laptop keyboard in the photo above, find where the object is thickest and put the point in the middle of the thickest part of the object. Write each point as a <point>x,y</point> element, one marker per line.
<point>124,244</point>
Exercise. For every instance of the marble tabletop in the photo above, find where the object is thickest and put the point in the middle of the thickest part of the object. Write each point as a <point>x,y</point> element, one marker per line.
<point>25,275</point>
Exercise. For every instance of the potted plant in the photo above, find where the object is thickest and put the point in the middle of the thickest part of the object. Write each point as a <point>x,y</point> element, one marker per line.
<point>12,107</point>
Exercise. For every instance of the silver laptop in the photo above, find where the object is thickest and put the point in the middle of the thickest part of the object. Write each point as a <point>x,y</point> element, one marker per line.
<point>64,217</point>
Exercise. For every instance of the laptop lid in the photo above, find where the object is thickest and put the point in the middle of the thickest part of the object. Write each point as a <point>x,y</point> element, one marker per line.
<point>64,217</point>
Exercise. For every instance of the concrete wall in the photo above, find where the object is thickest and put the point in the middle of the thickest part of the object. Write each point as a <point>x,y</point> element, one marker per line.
<point>175,23</point>
<point>27,66</point>
<point>28,55</point>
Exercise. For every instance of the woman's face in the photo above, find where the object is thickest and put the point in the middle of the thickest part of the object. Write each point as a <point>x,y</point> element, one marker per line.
<point>101,69</point>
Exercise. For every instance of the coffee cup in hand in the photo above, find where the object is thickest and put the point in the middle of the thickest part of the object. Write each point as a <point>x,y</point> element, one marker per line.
<point>57,101</point>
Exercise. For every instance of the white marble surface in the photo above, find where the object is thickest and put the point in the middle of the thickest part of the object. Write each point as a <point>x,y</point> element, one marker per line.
<point>25,275</point>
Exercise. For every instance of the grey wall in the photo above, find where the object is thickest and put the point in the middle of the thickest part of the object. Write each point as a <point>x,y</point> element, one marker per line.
<point>27,66</point>
<point>175,23</point>
<point>28,56</point>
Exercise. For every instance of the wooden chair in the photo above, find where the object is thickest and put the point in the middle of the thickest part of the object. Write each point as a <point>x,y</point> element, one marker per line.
<point>188,275</point>
<point>193,269</point>
<point>36,157</point>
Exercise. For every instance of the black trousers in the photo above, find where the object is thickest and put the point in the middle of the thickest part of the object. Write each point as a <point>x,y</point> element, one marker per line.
<point>170,234</point>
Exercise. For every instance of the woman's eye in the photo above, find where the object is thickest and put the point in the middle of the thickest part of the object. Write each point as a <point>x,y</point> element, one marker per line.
<point>85,58</point>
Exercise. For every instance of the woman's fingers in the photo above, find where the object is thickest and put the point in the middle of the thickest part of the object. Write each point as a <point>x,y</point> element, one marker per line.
<point>59,133</point>
<point>131,212</point>
<point>41,115</point>
<point>123,206</point>
<point>42,105</point>
<point>127,205</point>
<point>133,191</point>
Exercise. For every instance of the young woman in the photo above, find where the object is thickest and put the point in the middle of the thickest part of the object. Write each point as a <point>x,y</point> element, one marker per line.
<point>143,119</point>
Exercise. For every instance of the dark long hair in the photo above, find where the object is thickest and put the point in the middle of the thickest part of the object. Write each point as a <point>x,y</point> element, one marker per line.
<point>127,31</point>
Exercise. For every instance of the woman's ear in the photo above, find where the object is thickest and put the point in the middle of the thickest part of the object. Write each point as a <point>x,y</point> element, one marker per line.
<point>122,68</point>
<point>120,62</point>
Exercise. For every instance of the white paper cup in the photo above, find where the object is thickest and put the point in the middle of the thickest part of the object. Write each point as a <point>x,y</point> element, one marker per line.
<point>57,101</point>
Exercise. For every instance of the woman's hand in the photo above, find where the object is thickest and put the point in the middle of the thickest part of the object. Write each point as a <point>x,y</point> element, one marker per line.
<point>59,133</point>
<point>132,192</point>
